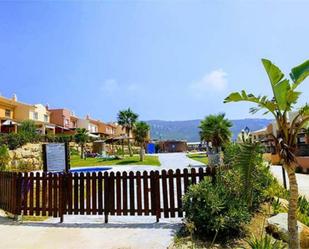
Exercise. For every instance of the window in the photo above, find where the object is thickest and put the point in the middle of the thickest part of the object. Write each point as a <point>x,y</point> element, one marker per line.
<point>35,116</point>
<point>7,113</point>
<point>46,118</point>
<point>66,122</point>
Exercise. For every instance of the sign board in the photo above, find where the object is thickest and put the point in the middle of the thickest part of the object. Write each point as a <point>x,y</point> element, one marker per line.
<point>55,157</point>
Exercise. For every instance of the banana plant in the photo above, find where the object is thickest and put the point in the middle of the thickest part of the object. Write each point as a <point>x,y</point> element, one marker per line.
<point>283,101</point>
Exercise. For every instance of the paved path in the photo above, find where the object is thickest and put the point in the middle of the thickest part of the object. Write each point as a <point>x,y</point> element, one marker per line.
<point>168,161</point>
<point>302,179</point>
<point>135,233</point>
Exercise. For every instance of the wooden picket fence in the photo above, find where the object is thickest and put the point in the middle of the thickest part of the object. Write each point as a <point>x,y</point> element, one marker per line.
<point>134,193</point>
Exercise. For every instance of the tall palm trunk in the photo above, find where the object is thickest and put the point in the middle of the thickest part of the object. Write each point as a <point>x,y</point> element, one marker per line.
<point>129,143</point>
<point>130,147</point>
<point>142,153</point>
<point>82,151</point>
<point>292,213</point>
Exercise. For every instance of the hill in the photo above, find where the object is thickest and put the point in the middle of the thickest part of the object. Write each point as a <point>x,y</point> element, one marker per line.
<point>188,129</point>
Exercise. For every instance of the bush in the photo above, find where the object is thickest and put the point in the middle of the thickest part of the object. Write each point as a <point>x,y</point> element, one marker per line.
<point>216,208</point>
<point>230,152</point>
<point>4,157</point>
<point>265,242</point>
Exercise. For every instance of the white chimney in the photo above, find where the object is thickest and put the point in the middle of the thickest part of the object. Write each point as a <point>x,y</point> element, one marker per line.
<point>14,97</point>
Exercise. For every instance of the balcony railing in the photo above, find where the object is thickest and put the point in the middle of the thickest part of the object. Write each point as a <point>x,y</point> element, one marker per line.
<point>303,150</point>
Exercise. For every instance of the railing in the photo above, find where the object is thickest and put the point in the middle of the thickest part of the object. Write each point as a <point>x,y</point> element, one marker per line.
<point>134,193</point>
<point>302,150</point>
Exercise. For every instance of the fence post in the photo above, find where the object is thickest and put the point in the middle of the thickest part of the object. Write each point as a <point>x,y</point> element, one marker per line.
<point>18,195</point>
<point>62,196</point>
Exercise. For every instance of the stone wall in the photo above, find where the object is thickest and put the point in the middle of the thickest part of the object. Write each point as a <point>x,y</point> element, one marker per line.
<point>26,158</point>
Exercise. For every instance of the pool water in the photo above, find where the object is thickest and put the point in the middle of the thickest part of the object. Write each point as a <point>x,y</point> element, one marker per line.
<point>90,169</point>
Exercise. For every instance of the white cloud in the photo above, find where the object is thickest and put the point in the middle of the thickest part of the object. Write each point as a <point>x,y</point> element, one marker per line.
<point>214,81</point>
<point>110,86</point>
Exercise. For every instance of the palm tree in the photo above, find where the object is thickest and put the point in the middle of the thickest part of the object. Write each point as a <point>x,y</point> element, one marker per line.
<point>81,137</point>
<point>215,129</point>
<point>284,99</point>
<point>127,119</point>
<point>141,134</point>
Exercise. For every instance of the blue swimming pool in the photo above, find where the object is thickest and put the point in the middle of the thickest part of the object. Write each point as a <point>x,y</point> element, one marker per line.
<point>90,169</point>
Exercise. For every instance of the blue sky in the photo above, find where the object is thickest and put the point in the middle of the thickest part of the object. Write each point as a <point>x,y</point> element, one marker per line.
<point>171,60</point>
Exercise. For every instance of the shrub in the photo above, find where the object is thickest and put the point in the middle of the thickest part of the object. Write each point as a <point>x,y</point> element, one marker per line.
<point>265,242</point>
<point>15,140</point>
<point>215,208</point>
<point>4,157</point>
<point>230,152</point>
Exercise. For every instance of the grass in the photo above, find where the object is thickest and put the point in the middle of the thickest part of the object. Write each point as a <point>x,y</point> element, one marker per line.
<point>34,218</point>
<point>76,161</point>
<point>199,157</point>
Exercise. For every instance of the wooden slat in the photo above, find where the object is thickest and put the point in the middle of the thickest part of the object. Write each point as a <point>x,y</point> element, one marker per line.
<point>37,194</point>
<point>94,193</point>
<point>146,192</point>
<point>193,176</point>
<point>31,186</point>
<point>88,193</point>
<point>200,174</point>
<point>106,189</point>
<point>50,195</point>
<point>44,194</point>
<point>124,193</point>
<point>139,193</point>
<point>118,193</point>
<point>152,192</point>
<point>25,194</point>
<point>164,193</point>
<point>81,194</point>
<point>69,190</point>
<point>76,193</point>
<point>185,179</point>
<point>100,193</point>
<point>157,195</point>
<point>171,192</point>
<point>131,183</point>
<point>56,192</point>
<point>112,193</point>
<point>179,193</point>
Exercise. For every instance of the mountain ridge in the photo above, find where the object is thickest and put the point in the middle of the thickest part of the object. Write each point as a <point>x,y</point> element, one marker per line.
<point>188,129</point>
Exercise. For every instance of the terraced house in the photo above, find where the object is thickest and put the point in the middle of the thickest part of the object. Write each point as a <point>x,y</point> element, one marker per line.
<point>265,137</point>
<point>13,112</point>
<point>7,109</point>
<point>64,120</point>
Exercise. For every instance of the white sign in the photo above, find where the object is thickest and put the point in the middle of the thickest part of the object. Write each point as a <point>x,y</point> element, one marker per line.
<point>55,157</point>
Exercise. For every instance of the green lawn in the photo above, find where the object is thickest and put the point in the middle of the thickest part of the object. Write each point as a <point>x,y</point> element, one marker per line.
<point>199,157</point>
<point>76,161</point>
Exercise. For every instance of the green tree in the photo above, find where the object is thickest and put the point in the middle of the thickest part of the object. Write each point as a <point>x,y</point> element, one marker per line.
<point>141,134</point>
<point>279,105</point>
<point>81,137</point>
<point>215,129</point>
<point>28,129</point>
<point>127,119</point>
<point>4,157</point>
<point>247,159</point>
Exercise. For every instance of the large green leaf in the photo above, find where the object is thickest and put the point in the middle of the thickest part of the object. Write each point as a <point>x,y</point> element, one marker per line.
<point>298,74</point>
<point>261,101</point>
<point>280,87</point>
<point>274,73</point>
